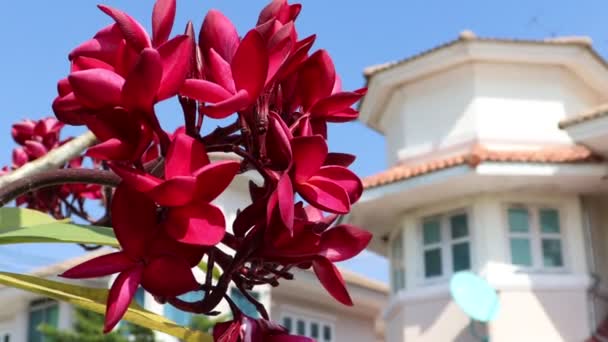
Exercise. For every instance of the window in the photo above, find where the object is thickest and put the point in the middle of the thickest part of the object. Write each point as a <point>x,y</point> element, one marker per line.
<point>243,303</point>
<point>446,244</point>
<point>42,311</point>
<point>314,328</point>
<point>6,338</point>
<point>182,317</point>
<point>397,263</point>
<point>535,237</point>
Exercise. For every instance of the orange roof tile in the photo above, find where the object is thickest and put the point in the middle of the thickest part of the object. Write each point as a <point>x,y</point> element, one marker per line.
<point>590,114</point>
<point>568,154</point>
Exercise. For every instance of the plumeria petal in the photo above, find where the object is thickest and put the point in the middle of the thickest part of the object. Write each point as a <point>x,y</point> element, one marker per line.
<point>335,103</point>
<point>205,91</point>
<point>185,156</point>
<point>163,16</point>
<point>219,33</point>
<point>343,242</point>
<point>341,159</point>
<point>220,71</point>
<point>240,101</point>
<point>136,179</point>
<point>84,63</point>
<point>132,31</point>
<point>199,223</point>
<point>140,88</point>
<point>101,266</point>
<point>133,219</point>
<point>325,194</point>
<point>213,179</point>
<point>343,177</point>
<point>251,51</point>
<point>179,190</point>
<point>176,57</point>
<point>97,88</point>
<point>121,293</point>
<point>168,277</point>
<point>309,153</point>
<point>317,77</point>
<point>103,46</point>
<point>332,280</point>
<point>278,142</point>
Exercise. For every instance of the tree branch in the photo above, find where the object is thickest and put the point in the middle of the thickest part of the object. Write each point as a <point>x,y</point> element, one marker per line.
<point>52,160</point>
<point>21,186</point>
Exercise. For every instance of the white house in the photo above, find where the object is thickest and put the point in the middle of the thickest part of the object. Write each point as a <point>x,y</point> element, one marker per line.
<point>301,305</point>
<point>493,169</point>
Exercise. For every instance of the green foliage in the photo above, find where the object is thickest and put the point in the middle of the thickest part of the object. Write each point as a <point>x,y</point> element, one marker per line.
<point>205,324</point>
<point>95,299</point>
<point>88,327</point>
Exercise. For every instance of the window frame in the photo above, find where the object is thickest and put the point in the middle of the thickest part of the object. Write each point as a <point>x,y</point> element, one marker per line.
<point>445,244</point>
<point>39,304</point>
<point>308,321</point>
<point>397,264</point>
<point>536,236</point>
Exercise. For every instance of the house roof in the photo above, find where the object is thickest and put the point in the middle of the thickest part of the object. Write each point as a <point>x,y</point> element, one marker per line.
<point>478,154</point>
<point>466,35</point>
<point>587,115</point>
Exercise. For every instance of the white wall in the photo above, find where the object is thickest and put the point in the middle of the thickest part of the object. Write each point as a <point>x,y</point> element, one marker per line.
<point>493,103</point>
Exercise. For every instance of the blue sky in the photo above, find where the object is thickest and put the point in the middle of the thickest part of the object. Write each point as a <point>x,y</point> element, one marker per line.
<point>37,35</point>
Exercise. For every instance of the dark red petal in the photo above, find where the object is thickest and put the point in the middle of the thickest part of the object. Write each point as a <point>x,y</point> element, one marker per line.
<point>332,280</point>
<point>132,31</point>
<point>140,88</point>
<point>199,223</point>
<point>279,48</point>
<point>121,293</point>
<point>68,110</point>
<point>343,242</point>
<point>297,57</point>
<point>103,46</point>
<point>219,33</point>
<point>325,194</point>
<point>220,110</point>
<point>133,219</point>
<point>136,179</point>
<point>271,10</point>
<point>20,157</point>
<point>250,64</point>
<point>184,156</point>
<point>35,149</point>
<point>345,178</point>
<point>84,63</point>
<point>168,277</point>
<point>179,190</point>
<point>249,217</point>
<point>227,331</point>
<point>278,142</point>
<point>309,153</point>
<point>176,57</point>
<point>101,266</point>
<point>112,149</point>
<point>213,179</point>
<point>220,71</point>
<point>341,159</point>
<point>316,78</point>
<point>204,91</point>
<point>335,103</point>
<point>285,200</point>
<point>97,88</point>
<point>163,17</point>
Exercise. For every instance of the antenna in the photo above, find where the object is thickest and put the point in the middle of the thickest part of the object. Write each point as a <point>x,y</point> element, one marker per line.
<point>476,298</point>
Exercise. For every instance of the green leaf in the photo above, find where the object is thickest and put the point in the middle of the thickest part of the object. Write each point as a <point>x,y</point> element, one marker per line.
<point>60,233</point>
<point>11,218</point>
<point>95,299</point>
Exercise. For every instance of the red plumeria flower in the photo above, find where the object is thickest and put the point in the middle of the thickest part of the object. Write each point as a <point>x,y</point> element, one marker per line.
<point>247,329</point>
<point>191,183</point>
<point>279,10</point>
<point>238,80</point>
<point>322,100</point>
<point>313,243</point>
<point>332,188</point>
<point>148,257</point>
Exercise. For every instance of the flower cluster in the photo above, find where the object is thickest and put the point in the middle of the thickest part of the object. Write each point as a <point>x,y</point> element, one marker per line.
<point>35,139</point>
<point>281,97</point>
